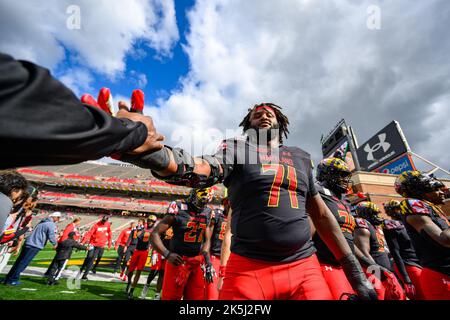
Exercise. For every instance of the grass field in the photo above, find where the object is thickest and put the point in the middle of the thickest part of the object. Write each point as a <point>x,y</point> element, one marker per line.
<point>35,288</point>
<point>45,257</point>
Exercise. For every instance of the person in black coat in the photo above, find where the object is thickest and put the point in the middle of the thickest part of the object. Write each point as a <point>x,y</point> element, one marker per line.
<point>63,254</point>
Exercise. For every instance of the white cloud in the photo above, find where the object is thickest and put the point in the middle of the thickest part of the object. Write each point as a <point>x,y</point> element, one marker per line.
<point>320,62</point>
<point>37,31</point>
<point>78,80</point>
<point>138,79</point>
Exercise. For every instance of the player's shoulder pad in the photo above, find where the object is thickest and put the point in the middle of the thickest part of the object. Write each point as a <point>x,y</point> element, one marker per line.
<point>415,207</point>
<point>176,206</point>
<point>392,225</point>
<point>322,190</point>
<point>361,223</point>
<point>299,152</point>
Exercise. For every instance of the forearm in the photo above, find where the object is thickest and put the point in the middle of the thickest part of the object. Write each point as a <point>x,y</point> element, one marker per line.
<point>365,258</point>
<point>225,253</point>
<point>400,265</point>
<point>158,245</point>
<point>442,237</point>
<point>176,166</point>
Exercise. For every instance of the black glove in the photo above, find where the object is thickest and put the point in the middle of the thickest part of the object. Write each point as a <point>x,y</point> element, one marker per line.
<point>357,278</point>
<point>210,273</point>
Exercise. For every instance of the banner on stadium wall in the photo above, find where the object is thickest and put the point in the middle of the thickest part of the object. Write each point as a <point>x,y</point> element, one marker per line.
<point>344,148</point>
<point>387,144</point>
<point>341,140</point>
<point>398,165</point>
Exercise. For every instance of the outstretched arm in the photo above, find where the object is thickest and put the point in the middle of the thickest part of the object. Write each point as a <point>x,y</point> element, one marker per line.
<point>59,128</point>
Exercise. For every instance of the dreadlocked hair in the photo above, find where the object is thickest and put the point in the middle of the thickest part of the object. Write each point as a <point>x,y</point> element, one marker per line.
<point>283,121</point>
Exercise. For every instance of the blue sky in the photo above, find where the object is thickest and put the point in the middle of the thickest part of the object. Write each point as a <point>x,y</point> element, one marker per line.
<point>162,73</point>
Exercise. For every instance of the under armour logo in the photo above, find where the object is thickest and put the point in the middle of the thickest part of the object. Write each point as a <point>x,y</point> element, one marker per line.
<point>382,144</point>
<point>328,268</point>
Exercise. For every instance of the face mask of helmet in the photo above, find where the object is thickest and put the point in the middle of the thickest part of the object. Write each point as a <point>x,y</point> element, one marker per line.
<point>334,174</point>
<point>370,213</point>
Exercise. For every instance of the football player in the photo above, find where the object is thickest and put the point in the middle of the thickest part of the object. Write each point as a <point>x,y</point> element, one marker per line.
<point>333,177</point>
<point>429,230</point>
<point>270,187</point>
<point>407,265</point>
<point>140,254</point>
<point>369,239</point>
<point>219,220</point>
<point>192,230</point>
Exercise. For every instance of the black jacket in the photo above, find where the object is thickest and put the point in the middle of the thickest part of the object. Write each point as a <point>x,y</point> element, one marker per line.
<point>64,249</point>
<point>43,123</point>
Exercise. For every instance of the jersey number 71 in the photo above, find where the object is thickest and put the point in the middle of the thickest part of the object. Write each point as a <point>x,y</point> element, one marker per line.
<point>279,176</point>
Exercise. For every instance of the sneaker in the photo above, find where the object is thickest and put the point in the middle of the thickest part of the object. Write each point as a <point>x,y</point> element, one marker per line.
<point>130,294</point>
<point>14,283</point>
<point>94,271</point>
<point>144,292</point>
<point>157,296</point>
<point>84,278</point>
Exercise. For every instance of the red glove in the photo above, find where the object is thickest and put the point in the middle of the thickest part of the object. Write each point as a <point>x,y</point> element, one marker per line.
<point>137,101</point>
<point>104,100</point>
<point>394,290</point>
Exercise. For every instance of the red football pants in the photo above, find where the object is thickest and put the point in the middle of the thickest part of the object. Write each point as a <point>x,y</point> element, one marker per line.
<point>251,279</point>
<point>388,289</point>
<point>184,281</point>
<point>414,274</point>
<point>377,284</point>
<point>212,293</point>
<point>435,285</point>
<point>336,280</point>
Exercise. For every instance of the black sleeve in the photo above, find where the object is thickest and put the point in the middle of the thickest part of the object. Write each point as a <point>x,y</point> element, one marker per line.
<point>43,122</point>
<point>79,246</point>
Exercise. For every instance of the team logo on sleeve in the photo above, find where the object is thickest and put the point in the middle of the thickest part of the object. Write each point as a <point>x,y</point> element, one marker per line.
<point>361,223</point>
<point>173,208</point>
<point>418,206</point>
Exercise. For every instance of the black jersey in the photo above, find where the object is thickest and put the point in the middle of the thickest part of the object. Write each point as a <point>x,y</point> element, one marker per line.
<point>430,253</point>
<point>143,239</point>
<point>268,189</point>
<point>342,212</point>
<point>220,225</point>
<point>188,229</point>
<point>377,245</point>
<point>399,243</point>
<point>133,239</point>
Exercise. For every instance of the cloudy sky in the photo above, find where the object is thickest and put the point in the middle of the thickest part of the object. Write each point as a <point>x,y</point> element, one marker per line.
<point>203,63</point>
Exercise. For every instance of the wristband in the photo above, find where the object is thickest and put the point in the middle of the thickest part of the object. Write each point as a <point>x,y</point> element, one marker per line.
<point>166,254</point>
<point>222,270</point>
